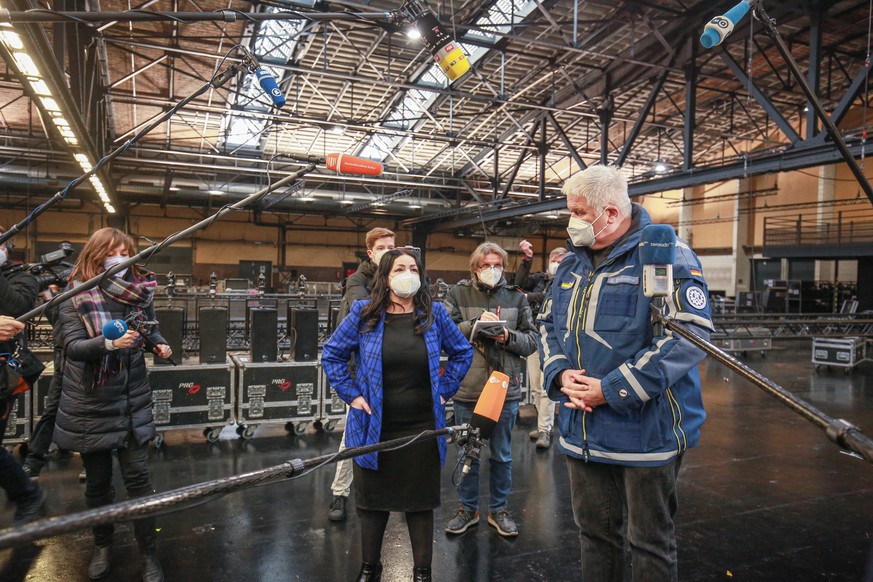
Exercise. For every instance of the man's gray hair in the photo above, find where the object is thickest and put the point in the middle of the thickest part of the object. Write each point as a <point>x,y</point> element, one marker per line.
<point>600,186</point>
<point>557,252</point>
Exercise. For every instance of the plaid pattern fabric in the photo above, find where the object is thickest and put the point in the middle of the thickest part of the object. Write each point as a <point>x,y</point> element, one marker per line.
<point>347,339</point>
<point>92,309</point>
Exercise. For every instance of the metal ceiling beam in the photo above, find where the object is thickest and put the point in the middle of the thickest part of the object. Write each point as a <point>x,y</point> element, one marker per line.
<point>762,99</point>
<point>813,73</point>
<point>361,79</point>
<point>641,118</point>
<point>858,83</point>
<point>799,157</point>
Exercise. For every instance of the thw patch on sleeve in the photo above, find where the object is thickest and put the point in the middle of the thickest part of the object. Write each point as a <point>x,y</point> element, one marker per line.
<point>696,297</point>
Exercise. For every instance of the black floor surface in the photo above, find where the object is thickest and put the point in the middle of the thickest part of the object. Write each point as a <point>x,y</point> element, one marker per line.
<point>765,497</point>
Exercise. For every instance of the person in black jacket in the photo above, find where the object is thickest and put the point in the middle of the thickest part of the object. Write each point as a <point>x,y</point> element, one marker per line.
<point>358,286</point>
<point>41,437</point>
<point>106,399</point>
<point>536,288</point>
<point>17,295</point>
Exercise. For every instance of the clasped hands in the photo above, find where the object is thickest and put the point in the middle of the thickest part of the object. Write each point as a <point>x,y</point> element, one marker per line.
<point>584,392</point>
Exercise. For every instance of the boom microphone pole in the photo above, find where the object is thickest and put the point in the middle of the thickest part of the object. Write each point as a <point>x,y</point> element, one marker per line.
<point>163,502</point>
<point>838,430</point>
<point>245,64</point>
<point>148,252</point>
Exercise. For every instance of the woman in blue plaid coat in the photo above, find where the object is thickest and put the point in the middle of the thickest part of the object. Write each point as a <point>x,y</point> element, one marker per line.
<point>398,389</point>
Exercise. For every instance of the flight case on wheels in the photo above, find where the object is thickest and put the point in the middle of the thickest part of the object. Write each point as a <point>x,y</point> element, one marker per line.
<point>843,352</point>
<point>192,396</point>
<point>333,409</point>
<point>276,392</point>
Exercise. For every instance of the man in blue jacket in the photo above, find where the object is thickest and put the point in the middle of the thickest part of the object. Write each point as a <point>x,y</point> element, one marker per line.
<point>631,401</point>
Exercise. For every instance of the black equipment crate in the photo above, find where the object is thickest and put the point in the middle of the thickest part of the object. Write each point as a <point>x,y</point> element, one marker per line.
<point>275,392</point>
<point>18,425</point>
<point>40,391</point>
<point>845,352</point>
<point>758,339</point>
<point>333,408</point>
<point>193,396</point>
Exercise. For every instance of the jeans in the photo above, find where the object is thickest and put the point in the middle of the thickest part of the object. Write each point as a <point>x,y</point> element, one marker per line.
<point>601,493</point>
<point>500,461</point>
<point>538,395</point>
<point>137,480</point>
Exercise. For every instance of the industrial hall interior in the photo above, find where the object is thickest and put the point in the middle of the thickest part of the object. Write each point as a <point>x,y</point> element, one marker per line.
<point>453,290</point>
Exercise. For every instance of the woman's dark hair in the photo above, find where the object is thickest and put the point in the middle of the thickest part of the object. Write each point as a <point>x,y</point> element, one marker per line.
<point>380,297</point>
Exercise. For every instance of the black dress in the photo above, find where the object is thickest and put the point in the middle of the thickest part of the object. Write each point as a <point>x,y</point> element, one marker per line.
<point>408,479</point>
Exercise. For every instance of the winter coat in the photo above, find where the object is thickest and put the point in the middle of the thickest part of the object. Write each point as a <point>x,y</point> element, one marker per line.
<point>18,293</point>
<point>598,320</point>
<point>534,286</point>
<point>465,302</point>
<point>101,417</point>
<point>358,286</point>
<point>365,429</point>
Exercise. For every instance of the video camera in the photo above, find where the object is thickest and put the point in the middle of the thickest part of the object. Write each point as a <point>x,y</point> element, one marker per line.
<point>51,269</point>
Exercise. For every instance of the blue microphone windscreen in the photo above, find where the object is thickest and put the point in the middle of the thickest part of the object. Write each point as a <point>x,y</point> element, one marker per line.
<point>268,83</point>
<point>114,329</point>
<point>658,245</point>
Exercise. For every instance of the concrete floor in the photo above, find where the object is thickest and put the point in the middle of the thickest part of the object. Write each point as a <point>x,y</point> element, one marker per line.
<point>765,497</point>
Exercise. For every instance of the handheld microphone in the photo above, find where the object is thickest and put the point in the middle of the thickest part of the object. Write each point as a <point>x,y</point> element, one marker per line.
<point>265,79</point>
<point>345,164</point>
<point>268,83</point>
<point>445,50</point>
<point>486,415</point>
<point>657,254</point>
<point>112,330</point>
<point>718,29</point>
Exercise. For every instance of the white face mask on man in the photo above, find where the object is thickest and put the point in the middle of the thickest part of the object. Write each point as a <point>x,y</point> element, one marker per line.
<point>490,276</point>
<point>405,284</point>
<point>377,255</point>
<point>110,262</point>
<point>553,268</point>
<point>582,232</point>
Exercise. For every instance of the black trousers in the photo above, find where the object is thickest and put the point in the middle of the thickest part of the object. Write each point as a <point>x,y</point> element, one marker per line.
<point>137,480</point>
<point>13,479</point>
<point>41,439</point>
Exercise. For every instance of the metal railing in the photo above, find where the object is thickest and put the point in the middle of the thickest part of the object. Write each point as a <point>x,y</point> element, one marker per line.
<point>845,227</point>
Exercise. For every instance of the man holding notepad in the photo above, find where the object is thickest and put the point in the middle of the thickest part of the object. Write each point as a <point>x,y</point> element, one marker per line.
<point>496,318</point>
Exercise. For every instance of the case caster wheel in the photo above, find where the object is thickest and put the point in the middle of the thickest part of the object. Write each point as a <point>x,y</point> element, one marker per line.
<point>300,428</point>
<point>159,441</point>
<point>317,425</point>
<point>816,368</point>
<point>763,355</point>
<point>211,434</point>
<point>248,433</point>
<point>330,425</point>
<point>289,427</point>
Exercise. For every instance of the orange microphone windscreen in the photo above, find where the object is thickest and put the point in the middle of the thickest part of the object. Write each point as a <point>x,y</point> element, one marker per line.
<point>486,414</point>
<point>345,164</point>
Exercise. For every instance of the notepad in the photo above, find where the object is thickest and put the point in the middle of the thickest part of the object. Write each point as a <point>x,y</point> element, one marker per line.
<point>487,328</point>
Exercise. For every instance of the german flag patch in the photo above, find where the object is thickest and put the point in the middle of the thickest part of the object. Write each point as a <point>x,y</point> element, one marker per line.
<point>696,272</point>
